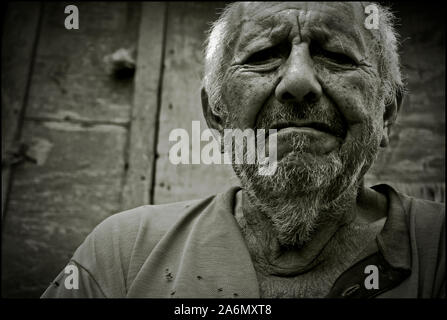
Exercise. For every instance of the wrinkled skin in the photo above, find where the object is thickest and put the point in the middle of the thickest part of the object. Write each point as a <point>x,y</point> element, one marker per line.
<point>302,72</point>
<point>309,70</point>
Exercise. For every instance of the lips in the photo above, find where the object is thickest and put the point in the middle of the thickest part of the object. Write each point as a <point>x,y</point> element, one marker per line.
<point>323,138</point>
<point>336,131</point>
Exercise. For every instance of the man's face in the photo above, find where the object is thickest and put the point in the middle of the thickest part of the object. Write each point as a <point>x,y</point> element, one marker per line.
<point>307,70</point>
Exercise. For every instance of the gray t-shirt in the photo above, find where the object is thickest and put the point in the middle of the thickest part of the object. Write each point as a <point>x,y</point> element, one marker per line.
<point>195,249</point>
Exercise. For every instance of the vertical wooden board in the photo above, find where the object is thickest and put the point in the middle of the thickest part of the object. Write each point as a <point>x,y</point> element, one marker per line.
<point>143,129</point>
<point>417,146</point>
<point>187,24</point>
<point>56,202</point>
<point>20,30</point>
<point>71,79</point>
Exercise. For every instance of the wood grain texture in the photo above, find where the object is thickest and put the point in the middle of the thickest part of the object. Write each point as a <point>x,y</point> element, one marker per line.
<point>57,201</point>
<point>187,26</point>
<point>20,32</point>
<point>76,133</point>
<point>144,127</point>
<point>70,81</point>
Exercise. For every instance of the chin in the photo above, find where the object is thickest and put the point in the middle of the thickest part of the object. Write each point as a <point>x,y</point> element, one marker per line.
<point>304,172</point>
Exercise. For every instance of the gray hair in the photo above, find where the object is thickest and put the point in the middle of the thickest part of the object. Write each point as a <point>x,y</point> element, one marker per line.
<point>386,47</point>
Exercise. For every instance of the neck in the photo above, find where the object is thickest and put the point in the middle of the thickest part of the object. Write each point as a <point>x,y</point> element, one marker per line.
<point>276,259</point>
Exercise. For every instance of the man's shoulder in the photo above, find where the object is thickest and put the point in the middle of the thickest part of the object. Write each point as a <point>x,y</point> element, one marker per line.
<point>148,222</point>
<point>115,250</point>
<point>160,217</point>
<point>145,216</point>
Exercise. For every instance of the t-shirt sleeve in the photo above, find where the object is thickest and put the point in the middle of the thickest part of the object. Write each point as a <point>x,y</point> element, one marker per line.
<point>112,255</point>
<point>74,282</point>
<point>101,261</point>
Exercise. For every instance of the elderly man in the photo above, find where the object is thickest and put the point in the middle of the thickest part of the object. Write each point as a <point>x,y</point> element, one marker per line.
<point>331,87</point>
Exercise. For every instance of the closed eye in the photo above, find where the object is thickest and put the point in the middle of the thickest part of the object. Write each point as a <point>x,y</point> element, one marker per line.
<point>335,57</point>
<point>269,54</point>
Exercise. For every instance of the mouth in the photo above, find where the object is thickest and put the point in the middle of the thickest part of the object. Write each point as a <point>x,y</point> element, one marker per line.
<point>323,138</point>
<point>336,131</point>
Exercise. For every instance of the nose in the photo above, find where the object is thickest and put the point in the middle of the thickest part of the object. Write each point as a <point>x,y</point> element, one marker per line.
<point>299,82</point>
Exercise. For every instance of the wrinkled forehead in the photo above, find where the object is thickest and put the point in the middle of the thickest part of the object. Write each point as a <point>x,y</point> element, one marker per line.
<point>330,11</point>
<point>339,18</point>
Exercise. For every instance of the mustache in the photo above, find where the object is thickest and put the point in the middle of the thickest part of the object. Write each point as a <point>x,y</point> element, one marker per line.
<point>322,116</point>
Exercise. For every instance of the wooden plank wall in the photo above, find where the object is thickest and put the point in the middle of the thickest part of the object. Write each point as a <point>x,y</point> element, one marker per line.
<point>138,188</point>
<point>180,105</point>
<point>17,60</point>
<point>94,145</point>
<point>75,125</point>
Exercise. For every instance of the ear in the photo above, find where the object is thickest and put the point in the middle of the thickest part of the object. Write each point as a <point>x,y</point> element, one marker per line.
<point>213,120</point>
<point>389,118</point>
